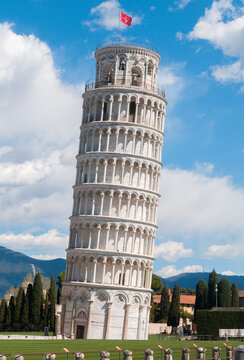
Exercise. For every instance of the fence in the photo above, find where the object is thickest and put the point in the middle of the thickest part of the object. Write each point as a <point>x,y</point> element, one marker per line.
<point>159,353</point>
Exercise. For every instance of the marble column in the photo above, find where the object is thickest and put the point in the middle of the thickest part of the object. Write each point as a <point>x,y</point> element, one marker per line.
<point>102,110</point>
<point>127,111</point>
<point>110,109</point>
<point>139,326</point>
<point>126,319</point>
<point>88,333</point>
<point>119,110</point>
<point>94,271</point>
<point>109,305</point>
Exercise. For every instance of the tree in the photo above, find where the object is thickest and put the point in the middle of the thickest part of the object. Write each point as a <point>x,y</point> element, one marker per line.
<point>224,293</point>
<point>52,301</point>
<point>29,295</point>
<point>185,315</point>
<point>61,278</point>
<point>152,311</point>
<point>212,282</point>
<point>174,310</point>
<point>24,318</point>
<point>18,306</point>
<point>156,283</point>
<point>234,295</point>
<point>2,311</point>
<point>165,303</point>
<point>201,296</point>
<point>45,312</point>
<point>37,300</point>
<point>7,317</point>
<point>12,309</point>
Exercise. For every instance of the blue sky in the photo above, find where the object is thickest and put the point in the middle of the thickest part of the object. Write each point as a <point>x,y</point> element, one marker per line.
<point>46,56</point>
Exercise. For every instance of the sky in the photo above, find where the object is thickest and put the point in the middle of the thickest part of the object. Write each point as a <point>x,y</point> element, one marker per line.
<point>46,57</point>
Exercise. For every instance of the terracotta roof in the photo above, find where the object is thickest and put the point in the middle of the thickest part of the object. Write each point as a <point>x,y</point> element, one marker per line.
<point>156,298</point>
<point>184,299</point>
<point>241,293</point>
<point>188,299</point>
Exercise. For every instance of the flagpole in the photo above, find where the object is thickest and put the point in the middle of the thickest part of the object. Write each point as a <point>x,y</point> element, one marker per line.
<point>119,26</point>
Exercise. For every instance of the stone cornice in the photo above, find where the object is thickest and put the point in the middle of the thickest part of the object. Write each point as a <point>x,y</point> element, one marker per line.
<point>120,124</point>
<point>102,153</point>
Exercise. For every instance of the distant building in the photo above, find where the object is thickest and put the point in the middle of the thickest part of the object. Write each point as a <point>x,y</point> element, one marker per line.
<point>187,302</point>
<point>241,298</point>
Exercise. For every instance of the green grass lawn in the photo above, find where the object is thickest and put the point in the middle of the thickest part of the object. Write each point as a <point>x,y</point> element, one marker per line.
<point>89,347</point>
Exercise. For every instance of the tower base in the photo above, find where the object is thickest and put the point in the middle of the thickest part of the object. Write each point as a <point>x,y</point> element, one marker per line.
<point>90,312</point>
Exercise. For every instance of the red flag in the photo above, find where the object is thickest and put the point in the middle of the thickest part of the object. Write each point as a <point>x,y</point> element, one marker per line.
<point>127,20</point>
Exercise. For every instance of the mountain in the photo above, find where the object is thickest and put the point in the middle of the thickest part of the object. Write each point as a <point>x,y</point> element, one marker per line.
<point>14,266</point>
<point>190,280</point>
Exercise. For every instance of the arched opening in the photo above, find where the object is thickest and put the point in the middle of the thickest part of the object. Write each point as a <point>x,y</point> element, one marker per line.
<point>105,111</point>
<point>122,64</point>
<point>136,76</point>
<point>132,111</point>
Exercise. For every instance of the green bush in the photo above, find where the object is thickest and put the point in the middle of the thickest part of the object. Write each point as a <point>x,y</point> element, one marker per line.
<point>209,322</point>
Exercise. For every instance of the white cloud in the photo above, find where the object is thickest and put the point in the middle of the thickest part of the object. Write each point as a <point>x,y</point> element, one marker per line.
<point>52,243</point>
<point>39,130</point>
<point>5,150</point>
<point>35,106</point>
<point>106,15</point>
<point>221,251</point>
<point>172,251</point>
<point>223,26</point>
<point>204,168</point>
<point>44,257</point>
<point>183,3</point>
<point>228,272</point>
<point>171,270</point>
<point>179,35</point>
<point>179,5</point>
<point>198,205</point>
<point>152,8</point>
<point>233,72</point>
<point>172,79</point>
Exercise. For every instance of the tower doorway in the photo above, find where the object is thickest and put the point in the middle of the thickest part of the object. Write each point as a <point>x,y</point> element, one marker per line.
<point>80,331</point>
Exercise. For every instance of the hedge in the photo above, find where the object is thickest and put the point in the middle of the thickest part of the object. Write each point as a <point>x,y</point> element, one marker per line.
<point>209,322</point>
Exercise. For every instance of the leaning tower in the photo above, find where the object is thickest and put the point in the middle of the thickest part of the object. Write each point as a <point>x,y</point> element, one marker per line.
<point>107,289</point>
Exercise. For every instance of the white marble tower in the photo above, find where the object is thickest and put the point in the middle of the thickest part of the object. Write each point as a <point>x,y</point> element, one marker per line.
<point>106,293</point>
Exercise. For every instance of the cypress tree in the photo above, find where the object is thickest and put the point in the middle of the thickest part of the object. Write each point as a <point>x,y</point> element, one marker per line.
<point>24,320</point>
<point>7,317</point>
<point>165,303</point>
<point>234,295</point>
<point>12,309</point>
<point>212,281</point>
<point>2,311</point>
<point>152,312</point>
<point>18,306</point>
<point>201,296</point>
<point>61,277</point>
<point>52,301</point>
<point>174,310</point>
<point>224,293</point>
<point>29,295</point>
<point>37,300</point>
<point>45,312</point>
